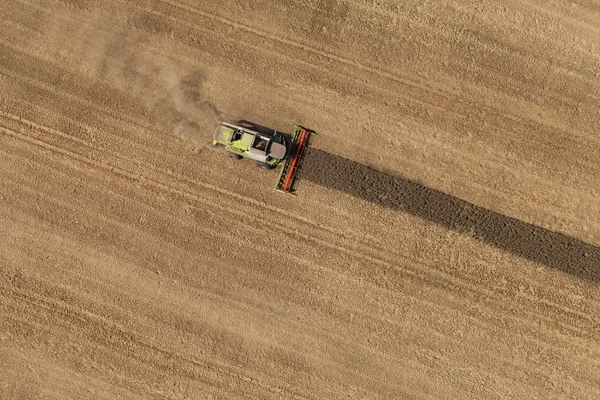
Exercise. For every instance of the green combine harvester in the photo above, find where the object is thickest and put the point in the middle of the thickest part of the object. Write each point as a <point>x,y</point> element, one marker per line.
<point>268,150</point>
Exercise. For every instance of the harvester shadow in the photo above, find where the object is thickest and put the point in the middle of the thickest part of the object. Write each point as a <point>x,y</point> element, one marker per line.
<point>532,242</point>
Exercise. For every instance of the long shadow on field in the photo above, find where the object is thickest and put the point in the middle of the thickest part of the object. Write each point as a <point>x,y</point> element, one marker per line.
<point>543,246</point>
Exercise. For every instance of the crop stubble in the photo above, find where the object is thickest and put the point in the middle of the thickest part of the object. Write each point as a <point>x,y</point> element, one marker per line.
<point>135,264</point>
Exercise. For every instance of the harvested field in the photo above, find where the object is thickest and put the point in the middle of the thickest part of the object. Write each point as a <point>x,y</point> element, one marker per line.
<point>444,243</point>
<point>529,241</point>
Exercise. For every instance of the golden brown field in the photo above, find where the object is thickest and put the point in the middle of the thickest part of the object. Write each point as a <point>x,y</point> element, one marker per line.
<point>444,243</point>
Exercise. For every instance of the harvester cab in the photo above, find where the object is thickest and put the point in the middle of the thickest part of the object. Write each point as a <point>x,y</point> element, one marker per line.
<point>268,150</point>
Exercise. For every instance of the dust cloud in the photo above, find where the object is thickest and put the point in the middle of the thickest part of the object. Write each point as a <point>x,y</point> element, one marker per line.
<point>173,93</point>
<point>197,116</point>
<point>173,96</point>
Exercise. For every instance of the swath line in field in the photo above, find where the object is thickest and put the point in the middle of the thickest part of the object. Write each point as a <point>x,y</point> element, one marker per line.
<point>431,275</point>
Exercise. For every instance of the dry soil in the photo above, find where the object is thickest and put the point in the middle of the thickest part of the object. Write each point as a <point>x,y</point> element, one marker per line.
<point>443,243</point>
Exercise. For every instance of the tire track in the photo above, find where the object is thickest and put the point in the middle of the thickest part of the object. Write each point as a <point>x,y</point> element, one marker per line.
<point>497,319</point>
<point>449,288</point>
<point>104,109</point>
<point>339,336</point>
<point>129,344</point>
<point>194,183</point>
<point>240,215</point>
<point>501,120</point>
<point>278,210</point>
<point>443,279</point>
<point>523,125</point>
<point>291,43</point>
<point>138,166</point>
<point>460,287</point>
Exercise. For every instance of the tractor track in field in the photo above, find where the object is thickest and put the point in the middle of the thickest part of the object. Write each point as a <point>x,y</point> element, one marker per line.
<point>145,179</point>
<point>454,105</point>
<point>501,121</point>
<point>136,261</point>
<point>132,177</point>
<point>260,47</point>
<point>105,109</point>
<point>136,177</point>
<point>117,338</point>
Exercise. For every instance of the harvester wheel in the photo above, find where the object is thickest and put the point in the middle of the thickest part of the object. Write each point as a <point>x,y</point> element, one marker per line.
<point>262,165</point>
<point>234,156</point>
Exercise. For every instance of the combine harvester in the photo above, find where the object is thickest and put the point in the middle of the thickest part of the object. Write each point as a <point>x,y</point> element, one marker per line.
<point>268,150</point>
